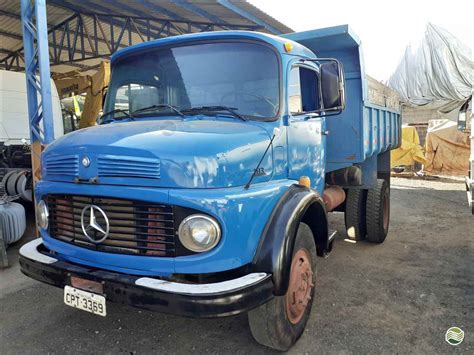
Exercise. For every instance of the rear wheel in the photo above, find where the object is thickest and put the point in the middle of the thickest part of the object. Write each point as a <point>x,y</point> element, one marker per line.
<point>280,322</point>
<point>355,214</point>
<point>378,212</point>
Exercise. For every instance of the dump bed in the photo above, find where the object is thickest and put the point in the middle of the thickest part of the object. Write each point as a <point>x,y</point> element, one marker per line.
<point>370,124</point>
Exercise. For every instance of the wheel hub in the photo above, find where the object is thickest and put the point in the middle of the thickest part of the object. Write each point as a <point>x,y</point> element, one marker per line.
<point>300,286</point>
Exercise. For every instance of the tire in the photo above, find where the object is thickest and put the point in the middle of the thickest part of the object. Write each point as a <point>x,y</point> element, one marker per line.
<point>279,323</point>
<point>378,212</point>
<point>355,214</point>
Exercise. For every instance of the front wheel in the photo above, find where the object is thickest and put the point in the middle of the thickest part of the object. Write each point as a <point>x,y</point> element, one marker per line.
<point>279,323</point>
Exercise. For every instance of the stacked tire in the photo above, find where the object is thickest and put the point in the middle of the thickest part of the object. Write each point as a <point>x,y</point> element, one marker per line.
<point>19,183</point>
<point>12,221</point>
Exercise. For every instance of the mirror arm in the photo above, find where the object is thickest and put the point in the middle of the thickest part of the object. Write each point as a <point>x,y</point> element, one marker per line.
<point>322,60</point>
<point>332,111</point>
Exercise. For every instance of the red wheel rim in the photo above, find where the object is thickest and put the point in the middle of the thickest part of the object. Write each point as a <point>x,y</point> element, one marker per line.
<point>300,286</point>
<point>386,212</point>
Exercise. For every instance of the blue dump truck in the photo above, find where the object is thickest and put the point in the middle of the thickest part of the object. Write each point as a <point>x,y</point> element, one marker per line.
<point>205,187</point>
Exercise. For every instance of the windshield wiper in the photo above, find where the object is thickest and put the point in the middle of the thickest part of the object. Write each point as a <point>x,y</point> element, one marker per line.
<point>231,110</point>
<point>117,110</point>
<point>153,107</point>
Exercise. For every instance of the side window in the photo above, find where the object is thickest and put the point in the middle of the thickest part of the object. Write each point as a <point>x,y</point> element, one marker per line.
<point>303,93</point>
<point>294,91</point>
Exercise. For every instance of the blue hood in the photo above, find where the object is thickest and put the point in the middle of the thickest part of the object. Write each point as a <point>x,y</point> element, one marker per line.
<point>192,153</point>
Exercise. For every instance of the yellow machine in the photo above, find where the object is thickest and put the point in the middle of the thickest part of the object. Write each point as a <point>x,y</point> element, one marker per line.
<point>75,83</point>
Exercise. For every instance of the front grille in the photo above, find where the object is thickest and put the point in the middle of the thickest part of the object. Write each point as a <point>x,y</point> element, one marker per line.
<point>128,167</point>
<point>137,228</point>
<point>67,165</point>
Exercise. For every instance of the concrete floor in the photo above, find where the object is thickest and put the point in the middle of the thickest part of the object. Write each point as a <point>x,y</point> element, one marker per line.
<point>398,297</point>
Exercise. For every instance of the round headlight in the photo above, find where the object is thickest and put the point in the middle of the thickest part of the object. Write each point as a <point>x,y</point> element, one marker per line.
<point>42,214</point>
<point>199,233</point>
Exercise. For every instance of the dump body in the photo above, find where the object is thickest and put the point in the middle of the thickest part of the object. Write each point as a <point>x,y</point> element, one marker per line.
<point>364,129</point>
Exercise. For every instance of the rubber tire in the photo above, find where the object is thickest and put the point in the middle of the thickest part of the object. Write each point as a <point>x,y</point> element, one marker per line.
<point>269,323</point>
<point>376,197</point>
<point>355,214</point>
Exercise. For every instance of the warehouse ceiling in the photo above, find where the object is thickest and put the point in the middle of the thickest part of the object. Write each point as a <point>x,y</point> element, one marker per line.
<point>83,33</point>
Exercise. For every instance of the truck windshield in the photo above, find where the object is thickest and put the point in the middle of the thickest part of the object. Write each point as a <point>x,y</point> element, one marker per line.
<point>238,75</point>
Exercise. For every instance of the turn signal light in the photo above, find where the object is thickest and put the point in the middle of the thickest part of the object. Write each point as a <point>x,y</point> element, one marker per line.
<point>288,47</point>
<point>304,181</point>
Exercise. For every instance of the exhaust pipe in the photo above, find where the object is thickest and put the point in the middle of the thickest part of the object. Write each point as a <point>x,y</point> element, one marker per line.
<point>333,196</point>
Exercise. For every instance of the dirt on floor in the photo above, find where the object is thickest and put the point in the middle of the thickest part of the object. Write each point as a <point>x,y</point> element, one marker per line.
<point>398,297</point>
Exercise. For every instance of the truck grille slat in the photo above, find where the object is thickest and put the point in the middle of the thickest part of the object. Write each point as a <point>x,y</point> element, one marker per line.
<point>107,202</point>
<point>136,227</point>
<point>118,166</point>
<point>109,209</point>
<point>61,224</point>
<point>77,220</point>
<point>66,231</point>
<point>123,249</point>
<point>62,165</point>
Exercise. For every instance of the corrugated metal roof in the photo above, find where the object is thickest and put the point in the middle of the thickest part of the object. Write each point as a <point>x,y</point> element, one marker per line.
<point>136,20</point>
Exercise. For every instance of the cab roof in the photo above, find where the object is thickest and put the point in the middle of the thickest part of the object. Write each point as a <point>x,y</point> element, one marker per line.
<point>275,41</point>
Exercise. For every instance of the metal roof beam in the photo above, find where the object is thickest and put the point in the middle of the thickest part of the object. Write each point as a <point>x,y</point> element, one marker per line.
<point>138,19</point>
<point>14,16</point>
<point>187,5</point>
<point>22,68</point>
<point>235,8</point>
<point>155,7</point>
<point>10,14</point>
<point>71,37</point>
<point>60,33</point>
<point>6,51</point>
<point>84,7</point>
<point>11,35</point>
<point>173,17</point>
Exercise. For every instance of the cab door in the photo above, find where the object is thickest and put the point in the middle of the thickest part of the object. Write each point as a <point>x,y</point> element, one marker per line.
<point>306,139</point>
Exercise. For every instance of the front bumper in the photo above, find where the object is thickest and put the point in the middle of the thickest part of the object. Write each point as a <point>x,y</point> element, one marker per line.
<point>191,300</point>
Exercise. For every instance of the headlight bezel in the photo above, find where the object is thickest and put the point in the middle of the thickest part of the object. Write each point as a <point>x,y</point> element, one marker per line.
<point>187,241</point>
<point>42,215</point>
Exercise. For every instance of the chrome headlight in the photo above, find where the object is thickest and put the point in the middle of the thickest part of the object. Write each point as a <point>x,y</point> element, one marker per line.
<point>199,233</point>
<point>42,214</point>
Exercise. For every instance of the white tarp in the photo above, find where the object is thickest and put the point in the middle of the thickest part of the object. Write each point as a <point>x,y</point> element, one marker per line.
<point>439,73</point>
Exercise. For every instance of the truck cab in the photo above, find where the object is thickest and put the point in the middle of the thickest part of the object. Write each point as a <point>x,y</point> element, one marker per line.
<point>203,190</point>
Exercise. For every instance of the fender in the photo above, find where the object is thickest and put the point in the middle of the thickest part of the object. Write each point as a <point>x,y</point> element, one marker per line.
<point>275,250</point>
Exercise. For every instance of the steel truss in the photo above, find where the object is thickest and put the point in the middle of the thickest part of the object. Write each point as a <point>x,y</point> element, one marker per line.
<point>83,36</point>
<point>38,83</point>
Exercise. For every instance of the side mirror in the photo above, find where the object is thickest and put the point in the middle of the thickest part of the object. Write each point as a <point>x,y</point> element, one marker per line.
<point>332,85</point>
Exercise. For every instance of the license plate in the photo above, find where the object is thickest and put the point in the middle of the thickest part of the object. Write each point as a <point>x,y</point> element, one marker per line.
<point>87,301</point>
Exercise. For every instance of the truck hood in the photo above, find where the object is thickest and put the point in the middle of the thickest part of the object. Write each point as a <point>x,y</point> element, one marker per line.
<point>193,153</point>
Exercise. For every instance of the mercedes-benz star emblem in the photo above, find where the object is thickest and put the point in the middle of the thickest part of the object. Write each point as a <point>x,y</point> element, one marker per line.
<point>86,162</point>
<point>94,230</point>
